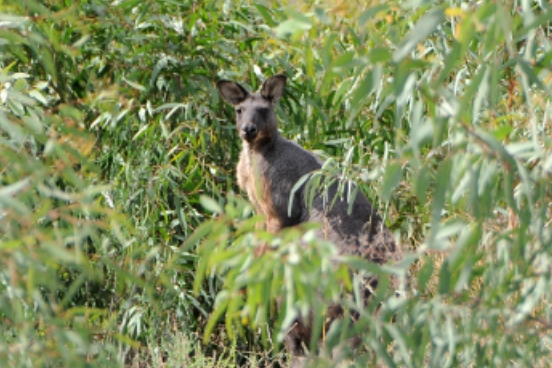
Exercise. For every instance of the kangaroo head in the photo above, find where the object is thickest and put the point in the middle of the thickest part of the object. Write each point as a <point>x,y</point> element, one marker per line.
<point>255,114</point>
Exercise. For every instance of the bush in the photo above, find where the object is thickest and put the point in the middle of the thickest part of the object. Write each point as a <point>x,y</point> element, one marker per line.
<point>123,236</point>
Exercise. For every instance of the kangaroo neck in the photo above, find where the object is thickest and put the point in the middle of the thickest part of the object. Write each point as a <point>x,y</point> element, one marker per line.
<point>261,145</point>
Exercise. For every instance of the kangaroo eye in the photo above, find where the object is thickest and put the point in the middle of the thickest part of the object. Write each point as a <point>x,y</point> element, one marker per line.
<point>239,110</point>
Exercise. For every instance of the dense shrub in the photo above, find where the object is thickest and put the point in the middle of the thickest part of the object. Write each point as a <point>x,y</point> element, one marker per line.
<point>124,239</point>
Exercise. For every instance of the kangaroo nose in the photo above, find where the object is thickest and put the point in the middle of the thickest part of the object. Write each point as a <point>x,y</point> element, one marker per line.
<point>249,132</point>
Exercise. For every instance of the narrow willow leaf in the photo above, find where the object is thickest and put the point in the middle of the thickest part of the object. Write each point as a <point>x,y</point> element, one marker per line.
<point>473,88</point>
<point>363,91</point>
<point>454,57</point>
<point>363,265</point>
<point>268,18</point>
<point>292,27</point>
<point>481,95</point>
<point>210,204</point>
<point>400,339</point>
<point>425,273</point>
<point>379,55</point>
<point>425,26</point>
<point>14,188</point>
<point>441,187</point>
<point>134,85</point>
<point>202,231</point>
<point>444,279</point>
<point>391,179</point>
<point>421,185</point>
<point>221,305</point>
<point>370,12</point>
<point>295,188</point>
<point>344,59</point>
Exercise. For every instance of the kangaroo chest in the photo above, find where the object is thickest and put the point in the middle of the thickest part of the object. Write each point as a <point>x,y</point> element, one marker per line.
<point>253,179</point>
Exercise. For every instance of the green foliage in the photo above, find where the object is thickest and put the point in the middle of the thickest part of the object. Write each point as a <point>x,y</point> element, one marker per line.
<point>56,235</point>
<point>123,234</point>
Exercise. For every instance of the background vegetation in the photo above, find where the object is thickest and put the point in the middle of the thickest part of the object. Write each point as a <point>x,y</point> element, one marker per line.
<point>124,240</point>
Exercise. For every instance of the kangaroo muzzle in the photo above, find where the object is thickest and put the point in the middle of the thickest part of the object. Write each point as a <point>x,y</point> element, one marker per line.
<point>249,132</point>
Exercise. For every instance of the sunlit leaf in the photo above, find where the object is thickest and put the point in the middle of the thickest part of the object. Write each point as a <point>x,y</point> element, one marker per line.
<point>427,24</point>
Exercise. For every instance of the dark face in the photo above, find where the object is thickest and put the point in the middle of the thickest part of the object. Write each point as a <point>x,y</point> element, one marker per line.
<point>255,118</point>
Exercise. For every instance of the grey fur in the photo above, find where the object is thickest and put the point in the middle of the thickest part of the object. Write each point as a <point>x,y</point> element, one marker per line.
<point>268,169</point>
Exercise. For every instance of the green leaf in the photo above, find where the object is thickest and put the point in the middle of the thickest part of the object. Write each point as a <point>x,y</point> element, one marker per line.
<point>363,91</point>
<point>502,132</point>
<point>344,59</point>
<point>360,264</point>
<point>370,12</point>
<point>14,188</point>
<point>391,179</point>
<point>295,188</point>
<point>439,197</point>
<point>134,85</point>
<point>221,305</point>
<point>425,273</point>
<point>444,279</point>
<point>210,204</point>
<point>201,232</point>
<point>293,26</point>
<point>425,26</point>
<point>379,55</point>
<point>268,18</point>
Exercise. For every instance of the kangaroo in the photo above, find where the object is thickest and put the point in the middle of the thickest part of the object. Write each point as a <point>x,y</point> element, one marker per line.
<point>268,169</point>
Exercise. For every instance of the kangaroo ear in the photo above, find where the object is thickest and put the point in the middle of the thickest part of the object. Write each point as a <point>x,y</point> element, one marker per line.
<point>273,88</point>
<point>232,92</point>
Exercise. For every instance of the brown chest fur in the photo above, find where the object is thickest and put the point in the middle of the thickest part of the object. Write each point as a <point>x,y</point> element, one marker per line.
<point>258,188</point>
